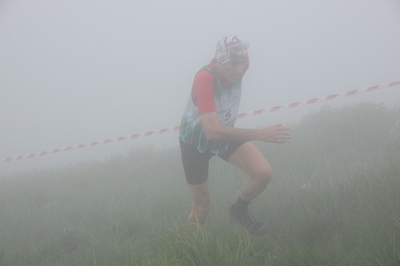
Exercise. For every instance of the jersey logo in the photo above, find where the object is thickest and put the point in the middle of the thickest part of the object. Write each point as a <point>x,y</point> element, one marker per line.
<point>228,115</point>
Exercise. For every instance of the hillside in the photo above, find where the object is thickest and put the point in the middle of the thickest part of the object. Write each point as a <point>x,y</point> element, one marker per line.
<point>334,200</point>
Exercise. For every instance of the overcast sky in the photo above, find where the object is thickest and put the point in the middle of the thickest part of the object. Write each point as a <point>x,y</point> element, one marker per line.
<point>78,71</point>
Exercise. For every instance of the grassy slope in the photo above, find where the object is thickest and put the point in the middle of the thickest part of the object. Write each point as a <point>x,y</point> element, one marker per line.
<point>334,200</point>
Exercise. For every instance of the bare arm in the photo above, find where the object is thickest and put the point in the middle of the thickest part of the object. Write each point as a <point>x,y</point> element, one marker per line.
<point>215,131</point>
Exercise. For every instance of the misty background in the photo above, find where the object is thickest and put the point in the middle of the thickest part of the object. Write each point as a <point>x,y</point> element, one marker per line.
<point>80,71</point>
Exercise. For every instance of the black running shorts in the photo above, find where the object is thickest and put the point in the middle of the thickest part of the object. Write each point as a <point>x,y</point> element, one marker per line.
<point>195,163</point>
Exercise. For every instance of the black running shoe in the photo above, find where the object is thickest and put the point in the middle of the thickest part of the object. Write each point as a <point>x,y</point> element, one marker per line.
<point>249,222</point>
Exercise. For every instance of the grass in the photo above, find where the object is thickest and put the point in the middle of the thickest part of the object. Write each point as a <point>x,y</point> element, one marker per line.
<point>334,200</point>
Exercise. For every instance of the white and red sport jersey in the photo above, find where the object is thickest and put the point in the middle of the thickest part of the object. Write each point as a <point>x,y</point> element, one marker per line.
<point>210,94</point>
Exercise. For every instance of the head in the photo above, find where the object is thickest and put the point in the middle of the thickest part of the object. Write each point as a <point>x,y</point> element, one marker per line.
<point>231,57</point>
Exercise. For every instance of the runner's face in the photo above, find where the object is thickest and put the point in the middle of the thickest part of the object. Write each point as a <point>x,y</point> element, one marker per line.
<point>233,70</point>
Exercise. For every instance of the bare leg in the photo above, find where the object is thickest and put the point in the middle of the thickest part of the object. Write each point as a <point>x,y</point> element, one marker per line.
<point>249,159</point>
<point>200,204</point>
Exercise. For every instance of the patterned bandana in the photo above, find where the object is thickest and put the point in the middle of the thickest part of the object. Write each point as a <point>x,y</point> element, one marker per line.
<point>231,48</point>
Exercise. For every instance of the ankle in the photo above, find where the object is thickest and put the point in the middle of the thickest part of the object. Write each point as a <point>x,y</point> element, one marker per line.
<point>240,207</point>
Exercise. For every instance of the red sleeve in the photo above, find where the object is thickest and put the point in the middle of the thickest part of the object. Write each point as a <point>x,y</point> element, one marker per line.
<point>203,89</point>
<point>203,92</point>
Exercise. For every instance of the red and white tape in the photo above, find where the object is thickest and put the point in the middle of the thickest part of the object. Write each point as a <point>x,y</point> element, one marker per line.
<point>175,128</point>
<point>319,99</point>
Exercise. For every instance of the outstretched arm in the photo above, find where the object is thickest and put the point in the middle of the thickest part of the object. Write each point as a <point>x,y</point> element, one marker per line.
<point>215,131</point>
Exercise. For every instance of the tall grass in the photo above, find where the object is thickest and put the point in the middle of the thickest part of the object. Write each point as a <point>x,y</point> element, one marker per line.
<point>334,200</point>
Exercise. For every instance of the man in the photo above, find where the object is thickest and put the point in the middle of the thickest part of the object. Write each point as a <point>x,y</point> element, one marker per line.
<point>207,129</point>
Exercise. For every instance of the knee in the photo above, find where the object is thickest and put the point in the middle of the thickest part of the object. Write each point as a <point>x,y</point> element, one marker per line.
<point>263,175</point>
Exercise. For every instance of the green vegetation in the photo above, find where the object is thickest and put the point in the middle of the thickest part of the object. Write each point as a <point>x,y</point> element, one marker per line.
<point>334,200</point>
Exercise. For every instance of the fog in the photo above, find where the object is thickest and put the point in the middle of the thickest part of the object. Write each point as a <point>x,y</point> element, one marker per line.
<point>73,71</point>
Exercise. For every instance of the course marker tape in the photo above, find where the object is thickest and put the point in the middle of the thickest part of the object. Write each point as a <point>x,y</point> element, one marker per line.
<point>176,128</point>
